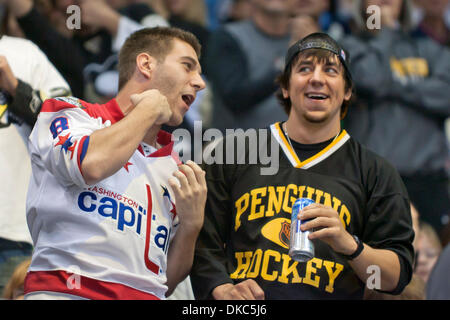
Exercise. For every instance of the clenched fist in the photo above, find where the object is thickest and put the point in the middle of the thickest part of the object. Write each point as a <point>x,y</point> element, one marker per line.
<point>153,101</point>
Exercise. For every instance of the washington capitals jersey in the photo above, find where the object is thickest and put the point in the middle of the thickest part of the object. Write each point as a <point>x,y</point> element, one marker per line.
<point>248,215</point>
<point>103,241</point>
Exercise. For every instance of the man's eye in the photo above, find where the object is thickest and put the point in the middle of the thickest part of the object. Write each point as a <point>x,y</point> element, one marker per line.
<point>331,70</point>
<point>188,65</point>
<point>304,69</point>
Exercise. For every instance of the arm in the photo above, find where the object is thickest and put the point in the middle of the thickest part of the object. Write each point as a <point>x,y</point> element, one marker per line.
<point>98,14</point>
<point>369,62</point>
<point>227,69</point>
<point>110,148</point>
<point>209,276</point>
<point>26,100</point>
<point>52,43</point>
<point>331,231</point>
<point>429,94</point>
<point>387,231</point>
<point>190,198</point>
<point>209,268</point>
<point>373,75</point>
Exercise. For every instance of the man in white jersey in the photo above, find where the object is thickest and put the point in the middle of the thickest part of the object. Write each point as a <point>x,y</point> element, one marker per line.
<point>112,212</point>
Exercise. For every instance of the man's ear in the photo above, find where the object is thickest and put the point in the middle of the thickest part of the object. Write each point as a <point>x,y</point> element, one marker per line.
<point>285,93</point>
<point>348,95</point>
<point>145,64</point>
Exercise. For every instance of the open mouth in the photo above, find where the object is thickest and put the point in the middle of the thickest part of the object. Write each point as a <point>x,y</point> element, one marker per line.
<point>188,99</point>
<point>316,96</point>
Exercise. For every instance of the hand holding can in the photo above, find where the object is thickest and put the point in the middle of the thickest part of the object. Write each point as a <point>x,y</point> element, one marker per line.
<point>300,247</point>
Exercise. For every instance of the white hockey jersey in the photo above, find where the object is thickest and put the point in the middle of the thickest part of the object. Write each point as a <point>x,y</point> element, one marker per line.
<point>106,241</point>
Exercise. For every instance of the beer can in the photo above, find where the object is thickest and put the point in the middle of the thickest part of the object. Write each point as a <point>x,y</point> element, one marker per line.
<point>300,247</point>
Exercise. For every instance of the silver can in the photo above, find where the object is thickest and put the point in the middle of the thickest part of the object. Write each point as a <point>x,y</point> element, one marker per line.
<point>301,249</point>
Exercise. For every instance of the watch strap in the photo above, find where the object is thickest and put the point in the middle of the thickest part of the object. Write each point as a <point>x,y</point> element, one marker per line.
<point>359,249</point>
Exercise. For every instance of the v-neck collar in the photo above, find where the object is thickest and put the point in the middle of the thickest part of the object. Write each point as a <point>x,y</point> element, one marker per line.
<point>327,151</point>
<point>165,140</point>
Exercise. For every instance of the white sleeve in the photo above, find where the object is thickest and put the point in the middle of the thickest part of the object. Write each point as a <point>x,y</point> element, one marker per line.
<point>60,139</point>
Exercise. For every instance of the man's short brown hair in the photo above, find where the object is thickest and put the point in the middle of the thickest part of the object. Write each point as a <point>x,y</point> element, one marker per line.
<point>157,42</point>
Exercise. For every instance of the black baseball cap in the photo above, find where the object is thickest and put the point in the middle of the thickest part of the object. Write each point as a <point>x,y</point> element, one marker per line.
<point>319,40</point>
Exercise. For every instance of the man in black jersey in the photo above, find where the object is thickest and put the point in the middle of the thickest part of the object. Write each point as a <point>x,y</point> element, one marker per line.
<point>360,222</point>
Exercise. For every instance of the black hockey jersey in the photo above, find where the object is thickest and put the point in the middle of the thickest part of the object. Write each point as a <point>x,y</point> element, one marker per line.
<point>247,217</point>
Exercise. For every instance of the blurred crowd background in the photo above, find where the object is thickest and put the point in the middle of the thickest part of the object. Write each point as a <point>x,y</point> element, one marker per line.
<point>400,106</point>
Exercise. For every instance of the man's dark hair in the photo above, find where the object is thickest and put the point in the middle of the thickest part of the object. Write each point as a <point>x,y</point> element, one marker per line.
<point>157,42</point>
<point>319,56</point>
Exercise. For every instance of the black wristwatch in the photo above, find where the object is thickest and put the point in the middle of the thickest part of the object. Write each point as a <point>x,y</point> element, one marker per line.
<point>358,250</point>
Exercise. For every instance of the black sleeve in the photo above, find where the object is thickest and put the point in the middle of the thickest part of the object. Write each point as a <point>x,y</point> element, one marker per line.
<point>27,102</point>
<point>209,269</point>
<point>388,224</point>
<point>64,53</point>
<point>228,71</point>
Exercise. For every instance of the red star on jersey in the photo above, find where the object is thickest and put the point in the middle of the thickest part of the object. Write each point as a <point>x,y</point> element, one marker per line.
<point>62,139</point>
<point>126,166</point>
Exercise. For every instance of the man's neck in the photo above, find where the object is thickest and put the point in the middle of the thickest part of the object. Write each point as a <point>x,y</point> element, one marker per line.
<point>124,102</point>
<point>310,133</point>
<point>276,25</point>
<point>151,136</point>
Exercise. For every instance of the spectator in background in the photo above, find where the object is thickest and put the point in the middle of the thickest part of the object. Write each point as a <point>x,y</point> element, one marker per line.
<point>402,103</point>
<point>243,60</point>
<point>14,288</point>
<point>189,15</point>
<point>428,250</point>
<point>104,27</point>
<point>433,22</point>
<point>317,16</point>
<point>438,286</point>
<point>27,78</point>
<point>236,10</point>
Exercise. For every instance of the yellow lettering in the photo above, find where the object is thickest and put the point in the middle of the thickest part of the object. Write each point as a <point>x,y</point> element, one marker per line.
<point>310,192</point>
<point>256,200</point>
<point>397,67</point>
<point>289,269</point>
<point>336,203</point>
<point>327,199</point>
<point>267,265</point>
<point>241,205</point>
<point>267,254</point>
<point>253,271</point>
<point>319,194</point>
<point>310,270</point>
<point>275,200</point>
<point>332,275</point>
<point>344,215</point>
<point>301,189</point>
<point>242,266</point>
<point>288,206</point>
<point>416,66</point>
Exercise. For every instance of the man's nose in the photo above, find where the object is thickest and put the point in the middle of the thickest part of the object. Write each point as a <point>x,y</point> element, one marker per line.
<point>198,82</point>
<point>317,77</point>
